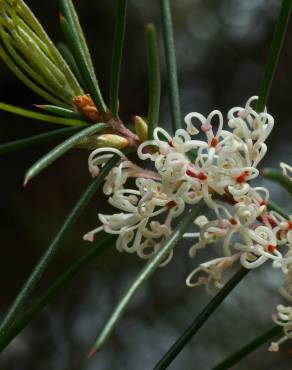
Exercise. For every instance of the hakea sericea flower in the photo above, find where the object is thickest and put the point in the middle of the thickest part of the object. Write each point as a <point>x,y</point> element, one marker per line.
<point>284,319</point>
<point>187,169</point>
<point>223,165</point>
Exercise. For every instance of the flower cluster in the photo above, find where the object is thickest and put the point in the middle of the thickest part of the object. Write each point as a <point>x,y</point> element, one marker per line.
<point>217,171</point>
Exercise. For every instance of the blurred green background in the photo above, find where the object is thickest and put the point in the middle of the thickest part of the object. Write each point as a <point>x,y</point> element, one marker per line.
<point>221,51</point>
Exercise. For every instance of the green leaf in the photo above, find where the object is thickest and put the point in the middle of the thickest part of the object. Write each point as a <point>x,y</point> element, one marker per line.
<point>59,111</point>
<point>44,65</point>
<point>38,139</point>
<point>68,56</point>
<point>42,117</point>
<point>118,48</point>
<point>61,149</point>
<point>200,320</point>
<point>154,79</point>
<point>278,177</point>
<point>272,206</point>
<point>274,54</point>
<point>144,275</point>
<point>75,39</point>
<point>55,289</point>
<point>33,57</point>
<point>71,15</point>
<point>41,43</point>
<point>169,50</point>
<point>250,347</point>
<point>48,255</point>
<point>32,71</point>
<point>28,82</point>
<point>29,17</point>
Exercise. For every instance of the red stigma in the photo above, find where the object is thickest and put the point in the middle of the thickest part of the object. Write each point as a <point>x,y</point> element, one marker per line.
<point>214,142</point>
<point>171,204</point>
<point>271,248</point>
<point>201,176</point>
<point>233,221</point>
<point>191,173</point>
<point>170,143</point>
<point>289,225</point>
<point>263,203</point>
<point>242,178</point>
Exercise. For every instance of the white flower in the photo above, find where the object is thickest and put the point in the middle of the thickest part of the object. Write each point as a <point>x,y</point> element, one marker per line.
<point>213,270</point>
<point>284,319</point>
<point>217,170</point>
<point>188,170</point>
<point>99,157</point>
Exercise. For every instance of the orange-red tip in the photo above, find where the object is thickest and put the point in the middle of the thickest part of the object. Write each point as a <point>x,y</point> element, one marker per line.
<point>91,353</point>
<point>38,106</point>
<point>61,16</point>
<point>25,181</point>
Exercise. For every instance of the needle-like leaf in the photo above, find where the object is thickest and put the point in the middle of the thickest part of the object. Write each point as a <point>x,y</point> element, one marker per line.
<point>247,349</point>
<point>48,255</point>
<point>200,320</point>
<point>278,177</point>
<point>28,82</point>
<point>68,56</point>
<point>61,149</point>
<point>144,275</point>
<point>57,287</point>
<point>274,54</point>
<point>31,55</point>
<point>71,15</point>
<point>119,38</point>
<point>59,111</point>
<point>41,76</point>
<point>38,139</point>
<point>154,79</point>
<point>169,50</point>
<point>272,206</point>
<point>42,117</point>
<point>27,14</point>
<point>75,39</point>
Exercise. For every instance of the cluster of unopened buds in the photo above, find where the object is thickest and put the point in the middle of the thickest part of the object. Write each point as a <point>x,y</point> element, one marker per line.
<point>216,171</point>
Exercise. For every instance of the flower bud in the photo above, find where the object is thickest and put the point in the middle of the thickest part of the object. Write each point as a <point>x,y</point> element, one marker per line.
<point>141,128</point>
<point>105,140</point>
<point>85,105</point>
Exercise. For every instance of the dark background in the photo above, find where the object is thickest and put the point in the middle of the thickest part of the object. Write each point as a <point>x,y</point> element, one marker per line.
<point>221,51</point>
